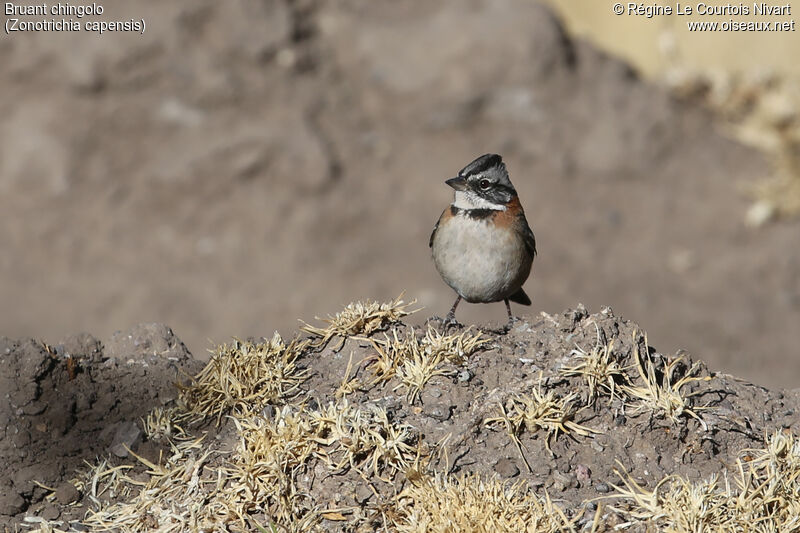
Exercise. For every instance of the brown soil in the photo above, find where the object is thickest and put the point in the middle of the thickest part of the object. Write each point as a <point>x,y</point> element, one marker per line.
<point>69,404</point>
<point>61,419</point>
<point>240,164</point>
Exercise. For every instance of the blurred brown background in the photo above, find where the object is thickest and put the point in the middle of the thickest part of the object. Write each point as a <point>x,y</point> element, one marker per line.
<point>244,164</point>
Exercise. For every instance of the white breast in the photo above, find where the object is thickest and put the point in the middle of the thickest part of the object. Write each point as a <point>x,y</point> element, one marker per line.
<point>479,261</point>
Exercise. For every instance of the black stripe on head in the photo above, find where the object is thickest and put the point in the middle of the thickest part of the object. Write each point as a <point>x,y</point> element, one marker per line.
<point>481,164</point>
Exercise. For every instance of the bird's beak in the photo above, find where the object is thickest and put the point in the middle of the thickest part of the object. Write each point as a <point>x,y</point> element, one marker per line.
<point>458,183</point>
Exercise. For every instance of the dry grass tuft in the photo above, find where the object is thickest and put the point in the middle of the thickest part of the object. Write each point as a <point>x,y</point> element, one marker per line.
<point>175,498</point>
<point>386,360</point>
<point>349,384</point>
<point>539,411</point>
<point>263,475</point>
<point>103,480</point>
<point>244,376</point>
<point>600,370</point>
<point>660,393</point>
<point>680,505</point>
<point>416,360</point>
<point>45,526</point>
<point>766,497</point>
<point>164,424</point>
<point>469,503</point>
<point>273,453</point>
<point>775,478</point>
<point>364,439</point>
<point>359,318</point>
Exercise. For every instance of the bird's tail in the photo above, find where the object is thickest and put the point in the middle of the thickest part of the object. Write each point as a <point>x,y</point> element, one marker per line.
<point>520,297</point>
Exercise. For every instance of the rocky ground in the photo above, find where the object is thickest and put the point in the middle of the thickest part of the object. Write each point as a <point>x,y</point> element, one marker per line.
<point>240,164</point>
<point>367,423</point>
<point>71,403</point>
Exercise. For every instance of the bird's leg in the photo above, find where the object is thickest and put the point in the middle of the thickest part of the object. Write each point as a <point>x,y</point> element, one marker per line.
<point>450,319</point>
<point>510,316</point>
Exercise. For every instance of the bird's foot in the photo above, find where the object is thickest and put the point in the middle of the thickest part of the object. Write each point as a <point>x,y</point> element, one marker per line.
<point>512,320</point>
<point>446,322</point>
<point>451,322</point>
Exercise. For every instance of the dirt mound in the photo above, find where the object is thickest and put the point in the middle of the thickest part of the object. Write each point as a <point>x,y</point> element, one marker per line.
<point>367,422</point>
<point>75,401</point>
<point>236,158</point>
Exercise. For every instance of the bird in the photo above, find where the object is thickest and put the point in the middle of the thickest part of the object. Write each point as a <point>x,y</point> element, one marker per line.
<point>482,245</point>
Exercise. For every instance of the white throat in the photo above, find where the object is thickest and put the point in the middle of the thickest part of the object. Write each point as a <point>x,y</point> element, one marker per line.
<point>470,200</point>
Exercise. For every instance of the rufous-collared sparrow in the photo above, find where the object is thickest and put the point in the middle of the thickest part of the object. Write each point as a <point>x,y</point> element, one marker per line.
<point>482,245</point>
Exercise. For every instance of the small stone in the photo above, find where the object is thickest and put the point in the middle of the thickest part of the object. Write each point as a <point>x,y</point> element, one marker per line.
<point>439,413</point>
<point>591,506</point>
<point>464,376</point>
<point>21,439</point>
<point>11,503</point>
<point>67,493</point>
<point>563,482</point>
<point>523,327</point>
<point>577,314</point>
<point>150,451</point>
<point>583,474</point>
<point>34,408</point>
<point>50,512</point>
<point>362,494</point>
<point>127,436</point>
<point>602,488</point>
<point>506,468</point>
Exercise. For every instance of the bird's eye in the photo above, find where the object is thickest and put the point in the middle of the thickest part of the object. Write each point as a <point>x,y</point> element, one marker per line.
<point>484,184</point>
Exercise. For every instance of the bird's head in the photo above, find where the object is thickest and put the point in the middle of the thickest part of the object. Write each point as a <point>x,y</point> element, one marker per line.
<point>483,184</point>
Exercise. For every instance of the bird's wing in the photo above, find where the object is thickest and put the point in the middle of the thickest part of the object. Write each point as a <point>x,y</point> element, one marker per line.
<point>527,235</point>
<point>447,213</point>
<point>430,242</point>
